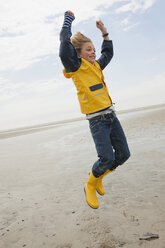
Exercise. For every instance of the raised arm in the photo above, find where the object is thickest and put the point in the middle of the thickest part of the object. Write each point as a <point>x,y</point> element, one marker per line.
<point>107,46</point>
<point>68,54</point>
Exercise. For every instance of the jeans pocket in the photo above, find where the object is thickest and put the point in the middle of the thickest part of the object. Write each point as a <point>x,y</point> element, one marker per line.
<point>93,122</point>
<point>95,126</point>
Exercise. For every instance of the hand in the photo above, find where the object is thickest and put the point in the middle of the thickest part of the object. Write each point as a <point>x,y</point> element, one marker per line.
<point>100,25</point>
<point>70,13</point>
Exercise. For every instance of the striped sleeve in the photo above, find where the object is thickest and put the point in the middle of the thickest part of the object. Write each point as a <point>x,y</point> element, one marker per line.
<point>68,19</point>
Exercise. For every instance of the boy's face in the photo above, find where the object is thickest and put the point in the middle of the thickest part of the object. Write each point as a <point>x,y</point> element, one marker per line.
<point>88,52</point>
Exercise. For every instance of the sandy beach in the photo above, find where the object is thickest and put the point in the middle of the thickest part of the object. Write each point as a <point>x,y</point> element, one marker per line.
<point>42,176</point>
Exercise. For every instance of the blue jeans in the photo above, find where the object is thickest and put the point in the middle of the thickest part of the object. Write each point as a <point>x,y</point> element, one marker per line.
<point>110,142</point>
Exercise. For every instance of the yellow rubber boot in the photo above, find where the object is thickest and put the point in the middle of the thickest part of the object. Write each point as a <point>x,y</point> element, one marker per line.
<point>90,191</point>
<point>100,188</point>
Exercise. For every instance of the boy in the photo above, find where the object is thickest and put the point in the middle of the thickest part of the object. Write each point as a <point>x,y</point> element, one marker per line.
<point>78,57</point>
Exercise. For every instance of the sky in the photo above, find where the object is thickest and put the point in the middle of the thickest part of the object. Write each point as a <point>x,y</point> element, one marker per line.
<point>33,89</point>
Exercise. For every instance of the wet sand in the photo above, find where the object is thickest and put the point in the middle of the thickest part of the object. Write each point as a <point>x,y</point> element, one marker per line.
<point>42,175</point>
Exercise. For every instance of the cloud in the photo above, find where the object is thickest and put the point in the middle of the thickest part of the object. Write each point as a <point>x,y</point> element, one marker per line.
<point>147,4</point>
<point>19,91</point>
<point>29,30</point>
<point>132,7</point>
<point>24,104</point>
<point>127,24</point>
<point>145,93</point>
<point>136,5</point>
<point>53,103</point>
<point>152,60</point>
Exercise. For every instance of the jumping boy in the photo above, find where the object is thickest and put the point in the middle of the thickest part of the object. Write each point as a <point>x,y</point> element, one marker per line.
<point>78,57</point>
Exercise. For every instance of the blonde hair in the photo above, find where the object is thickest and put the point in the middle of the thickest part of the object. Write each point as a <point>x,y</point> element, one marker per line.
<point>78,40</point>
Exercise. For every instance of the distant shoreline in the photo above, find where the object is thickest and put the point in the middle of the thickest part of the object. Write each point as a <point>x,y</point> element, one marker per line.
<point>45,126</point>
